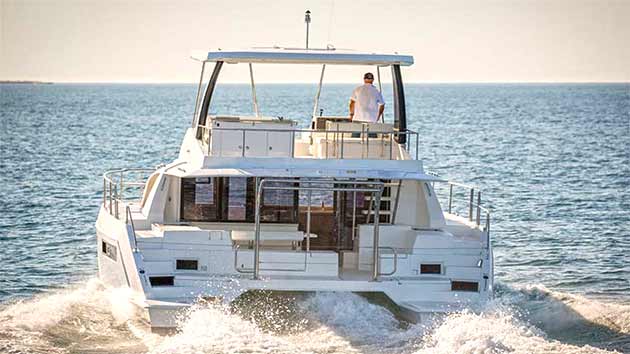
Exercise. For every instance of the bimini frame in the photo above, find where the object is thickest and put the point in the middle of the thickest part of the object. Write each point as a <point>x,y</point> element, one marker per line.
<point>300,56</point>
<point>311,185</point>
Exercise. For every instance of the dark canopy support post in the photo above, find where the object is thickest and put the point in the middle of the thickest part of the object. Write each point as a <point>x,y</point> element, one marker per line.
<point>400,112</point>
<point>207,98</point>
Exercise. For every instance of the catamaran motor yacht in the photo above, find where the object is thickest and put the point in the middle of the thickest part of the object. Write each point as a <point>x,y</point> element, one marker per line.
<point>259,203</point>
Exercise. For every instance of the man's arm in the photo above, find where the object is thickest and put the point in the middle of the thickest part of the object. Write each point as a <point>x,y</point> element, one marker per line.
<point>351,108</point>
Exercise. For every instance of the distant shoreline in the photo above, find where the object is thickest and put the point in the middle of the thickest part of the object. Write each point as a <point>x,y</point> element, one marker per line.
<point>25,82</point>
<point>431,83</point>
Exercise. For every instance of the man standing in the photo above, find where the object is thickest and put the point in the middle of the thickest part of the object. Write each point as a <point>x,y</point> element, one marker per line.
<point>366,103</point>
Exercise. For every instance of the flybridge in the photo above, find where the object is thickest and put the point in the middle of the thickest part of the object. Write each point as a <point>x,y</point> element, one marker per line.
<point>302,56</point>
<point>323,57</point>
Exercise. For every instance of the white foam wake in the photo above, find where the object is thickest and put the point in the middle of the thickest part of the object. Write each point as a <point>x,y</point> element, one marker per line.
<point>529,319</point>
<point>556,311</point>
<point>533,319</point>
<point>85,317</point>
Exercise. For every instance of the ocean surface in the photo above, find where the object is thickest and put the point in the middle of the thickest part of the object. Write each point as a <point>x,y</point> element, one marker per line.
<point>553,161</point>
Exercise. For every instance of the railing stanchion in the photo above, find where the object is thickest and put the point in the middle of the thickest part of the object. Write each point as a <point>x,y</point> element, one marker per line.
<point>116,198</point>
<point>342,142</point>
<point>336,141</point>
<point>450,198</point>
<point>243,146</point>
<point>395,211</point>
<point>391,145</point>
<point>104,193</point>
<point>122,186</point>
<point>292,147</point>
<point>487,230</point>
<point>308,222</point>
<point>109,187</point>
<point>362,140</point>
<point>354,213</point>
<point>478,208</point>
<point>375,244</point>
<point>470,204</point>
<point>129,220</point>
<point>367,142</point>
<point>259,188</point>
<point>326,139</point>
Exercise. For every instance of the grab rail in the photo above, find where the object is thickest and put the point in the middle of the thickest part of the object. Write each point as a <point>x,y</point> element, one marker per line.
<point>116,183</point>
<point>374,187</point>
<point>129,221</point>
<point>395,253</point>
<point>338,139</point>
<point>475,209</point>
<point>240,270</point>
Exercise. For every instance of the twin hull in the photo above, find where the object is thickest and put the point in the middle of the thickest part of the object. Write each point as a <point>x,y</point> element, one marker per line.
<point>429,271</point>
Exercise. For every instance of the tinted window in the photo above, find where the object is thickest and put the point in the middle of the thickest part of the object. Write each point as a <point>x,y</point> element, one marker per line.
<point>198,199</point>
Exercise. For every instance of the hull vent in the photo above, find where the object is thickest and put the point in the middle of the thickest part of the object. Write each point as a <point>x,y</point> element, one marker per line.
<point>464,286</point>
<point>162,281</point>
<point>430,269</point>
<point>187,264</point>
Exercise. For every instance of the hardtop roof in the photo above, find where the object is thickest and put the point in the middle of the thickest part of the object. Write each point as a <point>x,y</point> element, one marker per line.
<point>302,56</point>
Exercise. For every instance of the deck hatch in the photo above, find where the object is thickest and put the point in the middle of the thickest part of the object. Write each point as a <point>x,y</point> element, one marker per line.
<point>464,286</point>
<point>162,281</point>
<point>430,268</point>
<point>187,264</point>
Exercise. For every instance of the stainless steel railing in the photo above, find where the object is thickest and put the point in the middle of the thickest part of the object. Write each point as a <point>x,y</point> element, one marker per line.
<point>129,221</point>
<point>118,185</point>
<point>395,253</point>
<point>475,211</point>
<point>310,185</point>
<point>337,138</point>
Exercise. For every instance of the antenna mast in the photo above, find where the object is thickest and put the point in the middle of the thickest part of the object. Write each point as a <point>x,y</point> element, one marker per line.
<point>307,20</point>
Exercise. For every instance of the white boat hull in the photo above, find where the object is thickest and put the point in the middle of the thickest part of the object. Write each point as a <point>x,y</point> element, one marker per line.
<point>417,296</point>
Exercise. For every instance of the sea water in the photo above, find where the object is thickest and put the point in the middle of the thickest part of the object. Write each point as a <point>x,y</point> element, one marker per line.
<point>553,162</point>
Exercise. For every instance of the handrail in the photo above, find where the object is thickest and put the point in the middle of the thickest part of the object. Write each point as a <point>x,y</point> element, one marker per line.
<point>338,138</point>
<point>395,253</point>
<point>472,206</point>
<point>122,262</point>
<point>375,187</point>
<point>115,183</point>
<point>129,221</point>
<point>240,270</point>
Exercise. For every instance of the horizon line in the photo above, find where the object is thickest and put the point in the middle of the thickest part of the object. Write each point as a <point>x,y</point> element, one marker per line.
<point>35,82</point>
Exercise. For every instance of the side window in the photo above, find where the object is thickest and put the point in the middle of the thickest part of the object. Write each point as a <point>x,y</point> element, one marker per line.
<point>199,202</point>
<point>223,199</point>
<point>238,198</point>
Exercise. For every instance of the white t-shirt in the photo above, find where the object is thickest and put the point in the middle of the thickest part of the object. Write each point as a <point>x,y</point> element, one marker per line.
<point>366,99</point>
